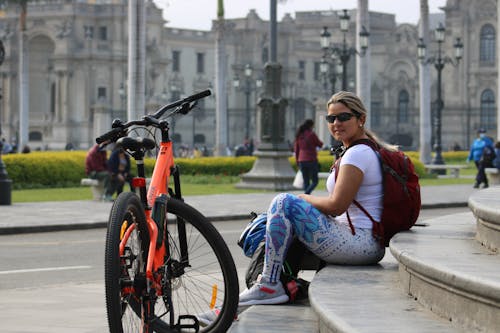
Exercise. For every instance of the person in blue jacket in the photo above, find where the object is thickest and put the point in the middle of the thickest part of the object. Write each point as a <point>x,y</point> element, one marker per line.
<point>476,154</point>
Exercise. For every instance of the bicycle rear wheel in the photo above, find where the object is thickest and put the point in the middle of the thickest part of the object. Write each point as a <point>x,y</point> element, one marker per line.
<point>210,283</point>
<point>124,275</point>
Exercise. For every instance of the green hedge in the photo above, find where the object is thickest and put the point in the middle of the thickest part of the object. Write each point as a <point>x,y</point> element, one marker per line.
<point>45,169</point>
<point>66,168</point>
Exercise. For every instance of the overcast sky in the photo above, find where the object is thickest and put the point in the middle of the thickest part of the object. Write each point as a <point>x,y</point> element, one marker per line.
<point>198,14</point>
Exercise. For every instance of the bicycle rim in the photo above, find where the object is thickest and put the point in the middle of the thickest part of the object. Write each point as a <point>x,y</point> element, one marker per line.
<point>209,284</point>
<point>125,273</point>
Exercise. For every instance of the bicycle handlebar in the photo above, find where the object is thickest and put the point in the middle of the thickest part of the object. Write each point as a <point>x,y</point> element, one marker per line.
<point>183,106</point>
<point>188,99</point>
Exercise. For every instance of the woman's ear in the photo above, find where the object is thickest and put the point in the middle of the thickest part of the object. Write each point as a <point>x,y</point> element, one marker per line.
<point>362,119</point>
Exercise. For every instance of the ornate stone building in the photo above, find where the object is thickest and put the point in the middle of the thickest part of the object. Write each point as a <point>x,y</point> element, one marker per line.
<point>78,62</point>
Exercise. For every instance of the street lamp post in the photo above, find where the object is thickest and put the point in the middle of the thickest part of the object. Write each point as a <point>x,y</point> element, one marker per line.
<point>175,92</point>
<point>330,71</point>
<point>247,90</point>
<point>339,56</point>
<point>344,52</point>
<point>439,61</point>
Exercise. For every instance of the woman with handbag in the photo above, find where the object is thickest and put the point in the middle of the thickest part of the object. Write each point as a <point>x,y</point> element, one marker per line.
<point>306,155</point>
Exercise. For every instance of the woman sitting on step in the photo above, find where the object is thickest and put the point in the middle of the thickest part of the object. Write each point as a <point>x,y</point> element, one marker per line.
<point>321,223</point>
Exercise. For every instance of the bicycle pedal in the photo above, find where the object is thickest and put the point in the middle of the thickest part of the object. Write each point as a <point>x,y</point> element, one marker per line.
<point>195,325</point>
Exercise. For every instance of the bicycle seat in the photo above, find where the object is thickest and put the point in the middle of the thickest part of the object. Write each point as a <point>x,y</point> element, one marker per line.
<point>136,144</point>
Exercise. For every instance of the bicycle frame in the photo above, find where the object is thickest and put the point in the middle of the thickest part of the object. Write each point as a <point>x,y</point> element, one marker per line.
<point>162,171</point>
<point>148,269</point>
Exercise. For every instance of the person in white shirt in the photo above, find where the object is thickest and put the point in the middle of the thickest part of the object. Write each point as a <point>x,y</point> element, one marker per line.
<point>320,222</point>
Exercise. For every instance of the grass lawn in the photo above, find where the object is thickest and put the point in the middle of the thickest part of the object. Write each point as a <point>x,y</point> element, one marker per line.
<point>201,185</point>
<point>193,185</point>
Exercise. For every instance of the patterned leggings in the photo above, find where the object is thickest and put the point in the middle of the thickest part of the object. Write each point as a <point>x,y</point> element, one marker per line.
<point>289,216</point>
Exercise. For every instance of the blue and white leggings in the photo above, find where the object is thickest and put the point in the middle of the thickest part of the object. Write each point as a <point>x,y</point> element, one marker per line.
<point>289,216</point>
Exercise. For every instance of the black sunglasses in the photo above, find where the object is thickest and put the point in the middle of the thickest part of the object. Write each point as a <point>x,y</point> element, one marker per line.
<point>344,116</point>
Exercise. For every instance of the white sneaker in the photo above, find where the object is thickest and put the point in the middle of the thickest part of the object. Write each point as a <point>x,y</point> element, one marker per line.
<point>206,318</point>
<point>263,293</point>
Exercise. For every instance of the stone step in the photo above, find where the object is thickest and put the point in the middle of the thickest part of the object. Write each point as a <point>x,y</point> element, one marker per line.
<point>450,273</point>
<point>285,318</point>
<point>484,205</point>
<point>369,299</point>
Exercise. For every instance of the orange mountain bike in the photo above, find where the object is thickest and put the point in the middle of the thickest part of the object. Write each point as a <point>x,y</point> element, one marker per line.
<point>164,261</point>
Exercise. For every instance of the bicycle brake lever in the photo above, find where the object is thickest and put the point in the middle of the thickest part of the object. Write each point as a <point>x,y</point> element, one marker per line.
<point>184,108</point>
<point>151,119</point>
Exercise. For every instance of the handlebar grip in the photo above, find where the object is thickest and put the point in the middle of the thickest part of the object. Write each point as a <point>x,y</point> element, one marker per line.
<point>112,135</point>
<point>199,95</point>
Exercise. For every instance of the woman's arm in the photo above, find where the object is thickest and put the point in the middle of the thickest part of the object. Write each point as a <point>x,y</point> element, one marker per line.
<point>346,186</point>
<point>316,141</point>
<point>296,149</point>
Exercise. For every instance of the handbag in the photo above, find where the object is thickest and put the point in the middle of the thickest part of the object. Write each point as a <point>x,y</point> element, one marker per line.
<point>298,181</point>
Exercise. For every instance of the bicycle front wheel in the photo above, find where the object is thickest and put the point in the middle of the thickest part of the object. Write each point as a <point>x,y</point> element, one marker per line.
<point>124,273</point>
<point>202,278</point>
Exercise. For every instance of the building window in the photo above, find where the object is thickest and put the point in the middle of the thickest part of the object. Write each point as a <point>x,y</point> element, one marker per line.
<point>488,110</point>
<point>487,44</point>
<point>35,136</point>
<point>302,70</point>
<point>88,31</point>
<point>265,55</point>
<point>200,63</point>
<point>317,71</point>
<point>375,111</point>
<point>176,61</point>
<point>103,33</point>
<point>53,98</point>
<point>101,93</point>
<point>403,102</point>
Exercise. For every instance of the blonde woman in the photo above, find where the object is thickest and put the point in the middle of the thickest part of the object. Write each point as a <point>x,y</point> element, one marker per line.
<point>320,222</point>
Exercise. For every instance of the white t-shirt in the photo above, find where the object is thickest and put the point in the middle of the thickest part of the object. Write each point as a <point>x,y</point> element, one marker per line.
<point>370,192</point>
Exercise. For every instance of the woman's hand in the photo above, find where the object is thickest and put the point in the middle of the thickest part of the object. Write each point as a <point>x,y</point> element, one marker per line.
<point>346,186</point>
<point>304,196</point>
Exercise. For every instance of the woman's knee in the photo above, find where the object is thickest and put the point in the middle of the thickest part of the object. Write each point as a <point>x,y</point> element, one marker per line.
<point>282,204</point>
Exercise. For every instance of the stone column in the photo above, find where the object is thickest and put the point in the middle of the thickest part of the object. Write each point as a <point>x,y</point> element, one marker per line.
<point>23,81</point>
<point>425,90</point>
<point>221,137</point>
<point>102,118</point>
<point>363,73</point>
<point>272,169</point>
<point>136,58</point>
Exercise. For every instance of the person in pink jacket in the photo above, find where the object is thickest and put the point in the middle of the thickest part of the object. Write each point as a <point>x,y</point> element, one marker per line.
<point>306,155</point>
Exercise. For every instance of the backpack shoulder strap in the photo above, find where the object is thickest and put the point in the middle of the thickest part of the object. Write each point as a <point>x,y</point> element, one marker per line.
<point>376,149</point>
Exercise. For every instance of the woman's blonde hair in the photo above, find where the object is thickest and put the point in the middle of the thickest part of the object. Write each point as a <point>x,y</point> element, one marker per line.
<point>354,103</point>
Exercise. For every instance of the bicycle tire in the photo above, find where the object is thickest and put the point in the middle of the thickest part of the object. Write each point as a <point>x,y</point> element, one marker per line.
<point>210,283</point>
<point>123,311</point>
<point>211,264</point>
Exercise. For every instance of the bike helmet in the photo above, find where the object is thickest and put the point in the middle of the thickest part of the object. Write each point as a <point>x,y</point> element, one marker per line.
<point>253,234</point>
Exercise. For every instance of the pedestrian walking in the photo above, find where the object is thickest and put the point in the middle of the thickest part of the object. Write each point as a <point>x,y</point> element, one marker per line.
<point>305,148</point>
<point>477,151</point>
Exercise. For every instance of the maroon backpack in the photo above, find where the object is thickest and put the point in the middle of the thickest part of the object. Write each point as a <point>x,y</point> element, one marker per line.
<point>401,202</point>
